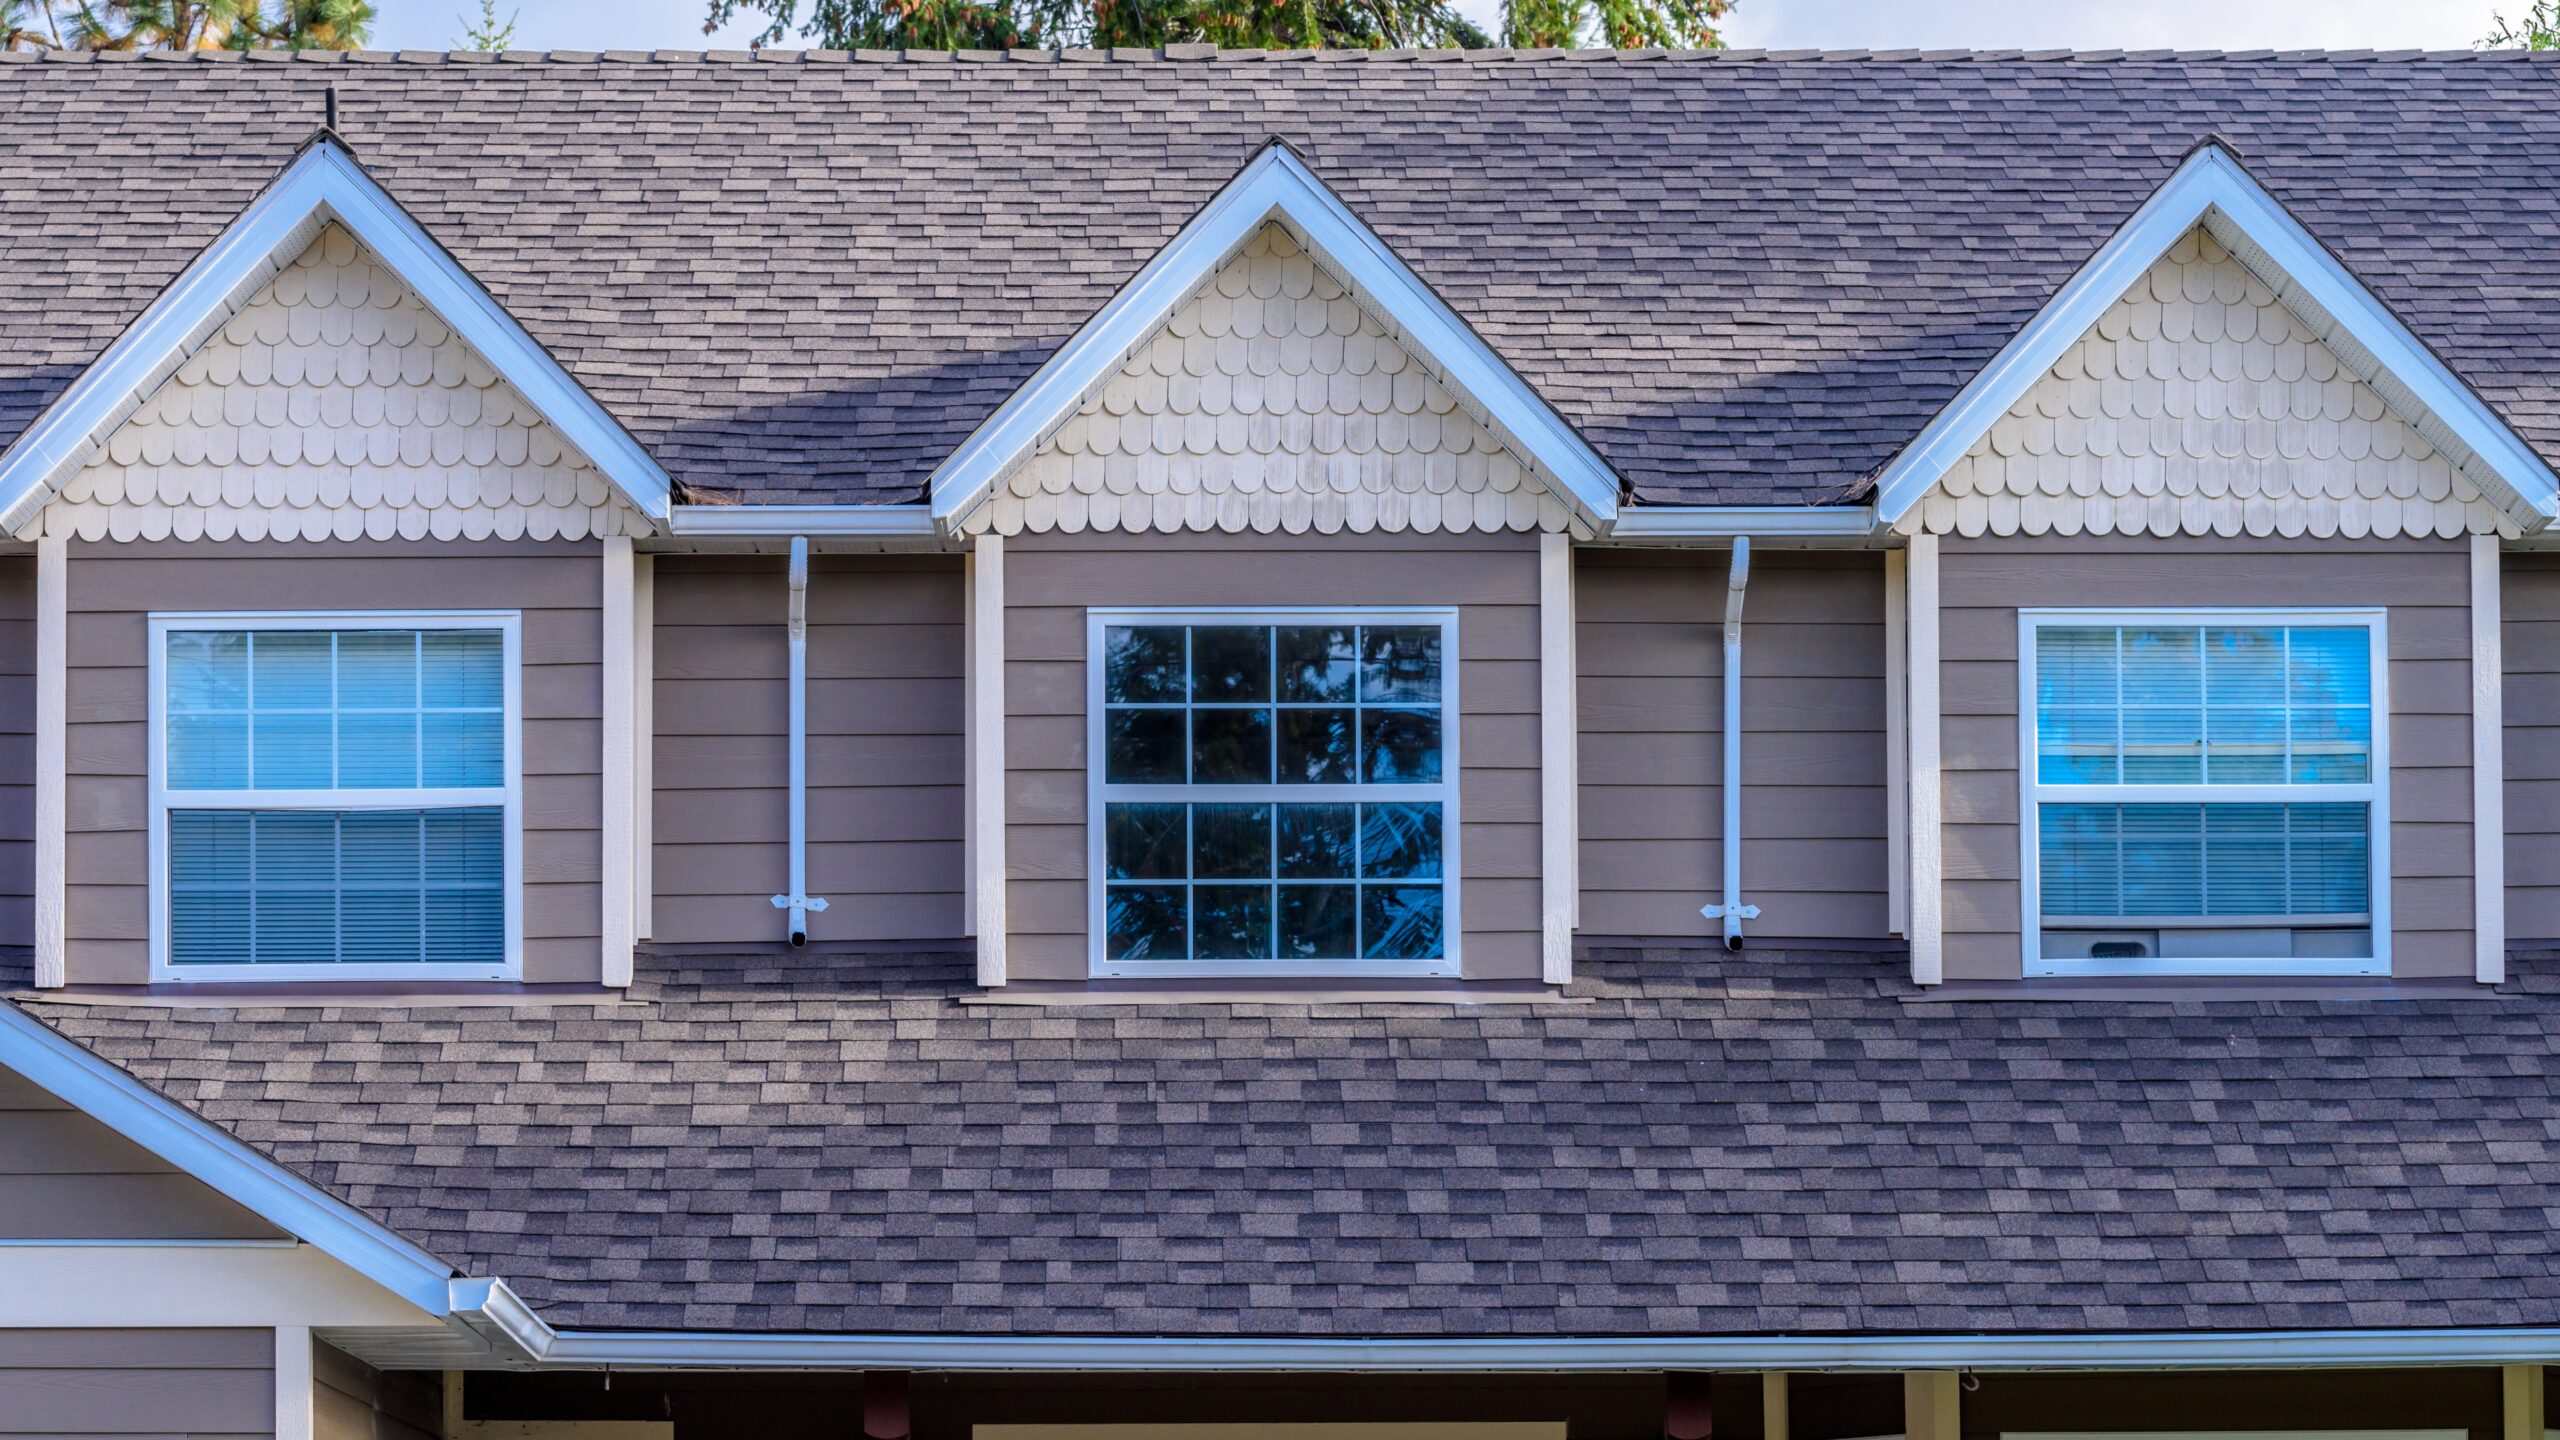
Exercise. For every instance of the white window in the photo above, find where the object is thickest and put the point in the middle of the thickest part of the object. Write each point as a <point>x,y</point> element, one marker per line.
<point>2202,792</point>
<point>1273,792</point>
<point>334,797</point>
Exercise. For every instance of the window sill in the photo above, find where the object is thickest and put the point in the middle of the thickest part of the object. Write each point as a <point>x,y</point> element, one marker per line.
<point>2191,989</point>
<point>1272,992</point>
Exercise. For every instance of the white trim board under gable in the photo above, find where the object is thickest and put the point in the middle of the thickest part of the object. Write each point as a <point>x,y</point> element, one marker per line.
<point>324,183</point>
<point>2211,188</point>
<point>1277,185</point>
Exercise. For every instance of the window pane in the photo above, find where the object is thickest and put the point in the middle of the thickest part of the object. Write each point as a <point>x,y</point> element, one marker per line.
<point>462,669</point>
<point>378,751</point>
<point>352,887</point>
<point>2333,745</point>
<point>2244,666</point>
<point>2244,870</point>
<point>1230,747</point>
<point>2244,747</point>
<point>1231,842</point>
<point>2192,861</point>
<point>290,669</point>
<point>2076,747</point>
<point>1231,922</point>
<point>2331,665</point>
<point>1400,842</point>
<point>1399,747</point>
<point>1317,842</point>
<point>1142,747</point>
<point>1399,663</point>
<point>462,749</point>
<point>2162,667</point>
<point>293,751</point>
<point>2163,746</point>
<point>208,752</point>
<point>1142,664</point>
<point>2163,859</point>
<point>1400,922</point>
<point>2331,859</point>
<point>2075,666</point>
<point>2079,862</point>
<point>378,669</point>
<point>1315,747</point>
<point>1147,922</point>
<point>1230,664</point>
<point>208,670</point>
<point>1145,842</point>
<point>1317,664</point>
<point>1319,922</point>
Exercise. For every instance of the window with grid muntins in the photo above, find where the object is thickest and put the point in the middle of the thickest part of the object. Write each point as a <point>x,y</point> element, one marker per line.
<point>1275,793</point>
<point>333,798</point>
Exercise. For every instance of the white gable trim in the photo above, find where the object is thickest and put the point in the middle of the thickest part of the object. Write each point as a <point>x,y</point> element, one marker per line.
<point>1276,184</point>
<point>177,1135</point>
<point>323,183</point>
<point>2211,188</point>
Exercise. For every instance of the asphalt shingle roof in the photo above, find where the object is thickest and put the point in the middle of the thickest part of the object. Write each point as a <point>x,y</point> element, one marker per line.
<point>1763,1142</point>
<point>1746,279</point>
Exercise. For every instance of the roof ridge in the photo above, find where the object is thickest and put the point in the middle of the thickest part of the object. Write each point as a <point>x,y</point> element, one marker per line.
<point>1192,54</point>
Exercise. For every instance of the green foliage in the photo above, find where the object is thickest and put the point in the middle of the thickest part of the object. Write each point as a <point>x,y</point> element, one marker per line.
<point>489,36</point>
<point>2540,30</point>
<point>1240,24</point>
<point>187,24</point>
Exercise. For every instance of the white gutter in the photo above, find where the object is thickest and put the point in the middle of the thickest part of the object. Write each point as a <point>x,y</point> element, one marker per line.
<point>1725,522</point>
<point>1733,912</point>
<point>773,522</point>
<point>798,901</point>
<point>490,1310</point>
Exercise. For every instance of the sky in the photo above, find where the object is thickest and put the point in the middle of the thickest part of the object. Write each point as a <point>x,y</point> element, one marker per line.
<point>1770,24</point>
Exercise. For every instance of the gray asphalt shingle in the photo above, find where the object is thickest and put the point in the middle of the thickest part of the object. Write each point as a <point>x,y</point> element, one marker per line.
<point>1745,279</point>
<point>1762,1142</point>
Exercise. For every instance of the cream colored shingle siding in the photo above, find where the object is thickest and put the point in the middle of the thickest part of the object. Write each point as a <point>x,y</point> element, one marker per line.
<point>335,406</point>
<point>2199,405</point>
<point>1272,401</point>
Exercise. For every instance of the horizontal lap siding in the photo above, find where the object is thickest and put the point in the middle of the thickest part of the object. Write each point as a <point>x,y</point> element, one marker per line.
<point>115,588</point>
<point>203,1384</point>
<point>1649,638</point>
<point>1052,580</point>
<point>885,754</point>
<point>2424,583</point>
<point>2530,611</point>
<point>351,1400</point>
<point>65,1176</point>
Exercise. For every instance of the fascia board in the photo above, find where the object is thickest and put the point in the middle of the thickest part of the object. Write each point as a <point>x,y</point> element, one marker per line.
<point>322,184</point>
<point>2210,180</point>
<point>781,522</point>
<point>2286,1350</point>
<point>1275,184</point>
<point>168,1130</point>
<point>1771,522</point>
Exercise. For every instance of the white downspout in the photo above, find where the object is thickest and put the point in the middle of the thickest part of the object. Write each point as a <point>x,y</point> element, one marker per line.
<point>799,902</point>
<point>1733,912</point>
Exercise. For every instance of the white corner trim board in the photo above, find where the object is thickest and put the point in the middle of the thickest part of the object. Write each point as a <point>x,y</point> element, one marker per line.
<point>986,750</point>
<point>1276,184</point>
<point>619,840</point>
<point>1558,837</point>
<point>53,734</point>
<point>2488,768</point>
<point>324,183</point>
<point>2212,186</point>
<point>1920,692</point>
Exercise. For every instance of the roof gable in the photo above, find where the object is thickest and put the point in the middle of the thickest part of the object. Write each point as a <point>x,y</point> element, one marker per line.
<point>2213,190</point>
<point>323,185</point>
<point>1272,400</point>
<point>2198,404</point>
<point>1277,185</point>
<point>335,404</point>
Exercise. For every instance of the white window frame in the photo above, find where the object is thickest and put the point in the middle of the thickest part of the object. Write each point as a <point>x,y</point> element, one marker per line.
<point>510,795</point>
<point>2374,793</point>
<point>1444,793</point>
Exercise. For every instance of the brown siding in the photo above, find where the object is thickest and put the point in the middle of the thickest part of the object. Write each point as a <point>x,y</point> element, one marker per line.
<point>2529,607</point>
<point>2425,583</point>
<point>1050,581</point>
<point>113,590</point>
<point>197,1383</point>
<point>1650,630</point>
<point>17,749</point>
<point>885,762</point>
<point>351,1400</point>
<point>64,1176</point>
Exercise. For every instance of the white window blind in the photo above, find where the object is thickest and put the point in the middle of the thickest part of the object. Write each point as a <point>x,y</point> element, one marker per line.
<point>334,800</point>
